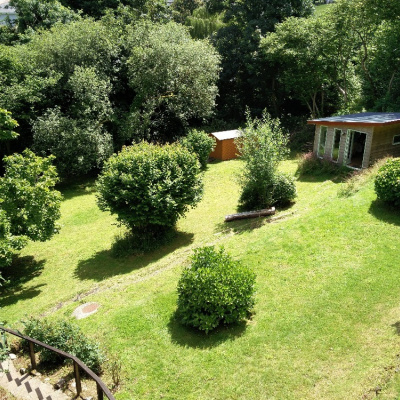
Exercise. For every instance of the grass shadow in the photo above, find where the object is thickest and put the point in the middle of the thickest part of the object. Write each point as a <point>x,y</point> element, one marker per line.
<point>323,177</point>
<point>21,271</point>
<point>384,212</point>
<point>103,265</point>
<point>241,225</point>
<point>23,294</point>
<point>190,337</point>
<point>79,187</point>
<point>396,326</point>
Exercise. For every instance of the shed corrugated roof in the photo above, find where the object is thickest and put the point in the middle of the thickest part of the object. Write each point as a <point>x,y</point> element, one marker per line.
<point>366,118</point>
<point>225,135</point>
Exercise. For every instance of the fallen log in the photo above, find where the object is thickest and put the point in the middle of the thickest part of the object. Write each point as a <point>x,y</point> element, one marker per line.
<point>250,214</point>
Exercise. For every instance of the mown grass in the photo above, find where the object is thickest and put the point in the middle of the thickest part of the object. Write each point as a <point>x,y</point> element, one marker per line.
<point>327,313</point>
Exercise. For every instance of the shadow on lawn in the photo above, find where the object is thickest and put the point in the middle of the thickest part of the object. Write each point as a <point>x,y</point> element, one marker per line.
<point>185,336</point>
<point>83,186</point>
<point>103,265</point>
<point>396,326</point>
<point>384,212</point>
<point>21,271</point>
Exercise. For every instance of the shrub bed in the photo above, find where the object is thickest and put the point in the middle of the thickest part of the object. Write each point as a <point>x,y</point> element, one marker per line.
<point>66,337</point>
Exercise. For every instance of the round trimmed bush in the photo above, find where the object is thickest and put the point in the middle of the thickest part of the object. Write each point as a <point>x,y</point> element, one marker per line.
<point>284,189</point>
<point>150,186</point>
<point>387,182</point>
<point>215,289</point>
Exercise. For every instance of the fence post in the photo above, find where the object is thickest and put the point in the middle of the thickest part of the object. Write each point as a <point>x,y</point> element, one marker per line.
<point>100,393</point>
<point>32,355</point>
<point>77,378</point>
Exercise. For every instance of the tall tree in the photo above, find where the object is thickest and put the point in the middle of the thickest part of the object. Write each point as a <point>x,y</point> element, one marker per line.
<point>242,81</point>
<point>173,78</point>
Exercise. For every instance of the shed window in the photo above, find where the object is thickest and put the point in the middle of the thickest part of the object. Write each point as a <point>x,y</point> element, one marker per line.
<point>322,140</point>
<point>396,139</point>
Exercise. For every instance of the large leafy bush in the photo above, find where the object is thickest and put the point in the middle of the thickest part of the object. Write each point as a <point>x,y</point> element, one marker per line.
<point>66,337</point>
<point>215,289</point>
<point>387,182</point>
<point>150,186</point>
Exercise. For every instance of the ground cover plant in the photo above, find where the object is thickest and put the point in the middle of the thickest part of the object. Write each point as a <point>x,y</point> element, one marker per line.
<point>326,317</point>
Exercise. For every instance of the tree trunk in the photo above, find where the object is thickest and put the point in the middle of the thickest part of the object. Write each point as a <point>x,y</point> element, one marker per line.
<point>250,214</point>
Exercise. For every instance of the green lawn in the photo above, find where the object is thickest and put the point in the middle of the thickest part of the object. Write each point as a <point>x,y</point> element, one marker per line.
<point>327,318</point>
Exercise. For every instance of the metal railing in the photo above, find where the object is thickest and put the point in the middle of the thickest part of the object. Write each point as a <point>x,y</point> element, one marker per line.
<point>78,365</point>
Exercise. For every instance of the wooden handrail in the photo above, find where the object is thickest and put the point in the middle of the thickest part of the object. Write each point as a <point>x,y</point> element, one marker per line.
<point>102,389</point>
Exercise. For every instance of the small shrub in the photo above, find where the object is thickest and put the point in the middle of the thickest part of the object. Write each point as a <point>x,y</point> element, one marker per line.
<point>310,164</point>
<point>253,198</point>
<point>284,189</point>
<point>200,143</point>
<point>67,337</point>
<point>215,289</point>
<point>387,182</point>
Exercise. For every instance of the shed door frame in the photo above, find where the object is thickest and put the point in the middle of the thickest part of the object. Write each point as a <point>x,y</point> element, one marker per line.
<point>350,147</point>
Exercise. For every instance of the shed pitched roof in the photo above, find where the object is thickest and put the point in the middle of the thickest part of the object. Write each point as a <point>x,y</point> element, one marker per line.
<point>225,135</point>
<point>360,119</point>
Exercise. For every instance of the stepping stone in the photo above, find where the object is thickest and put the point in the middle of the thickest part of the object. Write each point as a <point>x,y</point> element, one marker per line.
<point>85,310</point>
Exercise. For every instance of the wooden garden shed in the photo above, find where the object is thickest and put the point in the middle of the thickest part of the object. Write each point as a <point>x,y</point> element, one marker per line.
<point>357,140</point>
<point>225,148</point>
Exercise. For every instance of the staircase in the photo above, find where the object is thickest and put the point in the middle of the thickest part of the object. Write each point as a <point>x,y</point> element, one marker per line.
<point>26,386</point>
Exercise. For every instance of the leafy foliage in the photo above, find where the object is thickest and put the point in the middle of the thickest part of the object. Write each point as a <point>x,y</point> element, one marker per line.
<point>96,8</point>
<point>66,337</point>
<point>150,186</point>
<point>200,143</point>
<point>79,146</point>
<point>283,189</point>
<point>41,14</point>
<point>7,124</point>
<point>214,290</point>
<point>173,77</point>
<point>8,242</point>
<point>387,182</point>
<point>247,81</point>
<point>262,145</point>
<point>31,204</point>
